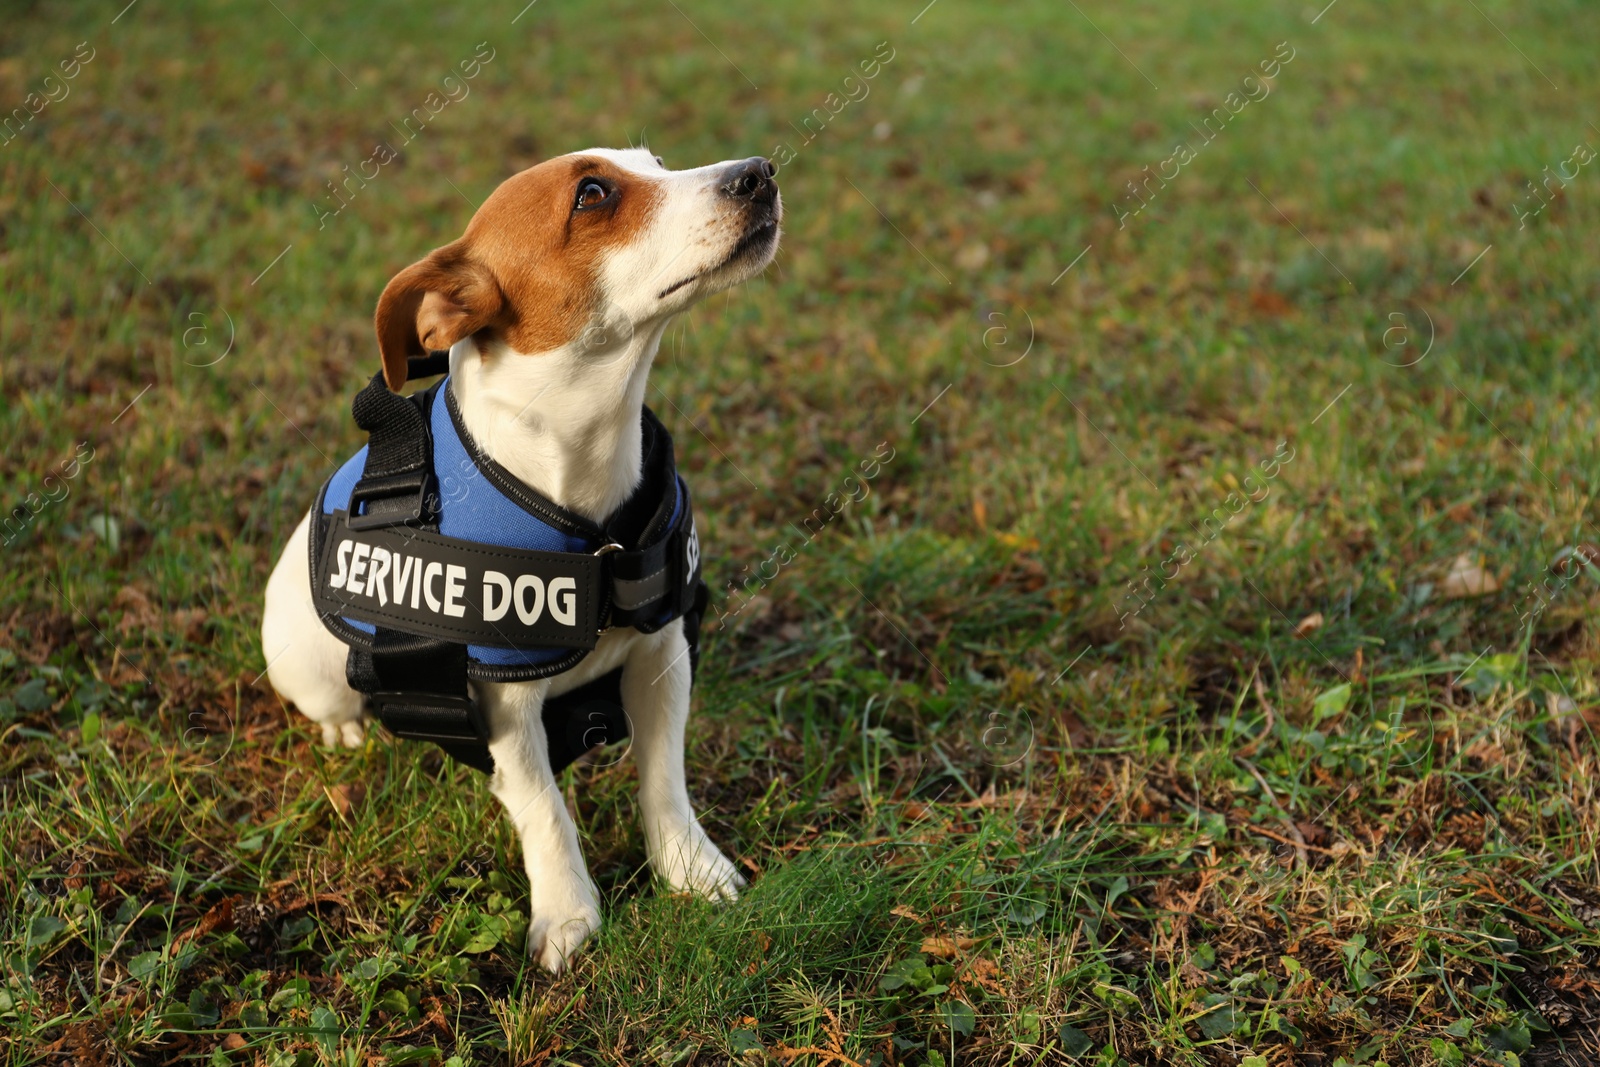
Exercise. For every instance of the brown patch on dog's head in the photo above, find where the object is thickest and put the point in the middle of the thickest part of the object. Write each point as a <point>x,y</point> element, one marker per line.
<point>527,270</point>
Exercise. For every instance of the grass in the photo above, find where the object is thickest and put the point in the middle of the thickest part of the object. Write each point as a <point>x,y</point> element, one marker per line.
<point>1048,750</point>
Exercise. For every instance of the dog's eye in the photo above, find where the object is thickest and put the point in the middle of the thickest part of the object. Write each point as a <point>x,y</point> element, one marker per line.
<point>591,193</point>
<point>660,162</point>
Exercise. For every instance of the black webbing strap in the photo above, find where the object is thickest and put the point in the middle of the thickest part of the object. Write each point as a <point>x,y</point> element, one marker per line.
<point>582,718</point>
<point>654,585</point>
<point>418,690</point>
<point>394,482</point>
<point>417,686</point>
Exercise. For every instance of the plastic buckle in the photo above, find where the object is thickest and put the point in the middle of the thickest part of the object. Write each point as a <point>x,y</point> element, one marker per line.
<point>399,499</point>
<point>430,716</point>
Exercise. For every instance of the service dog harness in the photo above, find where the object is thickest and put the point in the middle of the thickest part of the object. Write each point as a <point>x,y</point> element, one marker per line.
<point>436,565</point>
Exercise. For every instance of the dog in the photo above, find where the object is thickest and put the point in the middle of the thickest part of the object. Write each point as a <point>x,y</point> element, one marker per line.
<point>552,306</point>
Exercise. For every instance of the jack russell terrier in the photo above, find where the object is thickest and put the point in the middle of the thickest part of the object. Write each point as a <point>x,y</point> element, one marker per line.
<point>513,554</point>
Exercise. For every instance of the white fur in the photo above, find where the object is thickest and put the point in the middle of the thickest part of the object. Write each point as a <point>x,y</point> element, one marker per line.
<point>565,422</point>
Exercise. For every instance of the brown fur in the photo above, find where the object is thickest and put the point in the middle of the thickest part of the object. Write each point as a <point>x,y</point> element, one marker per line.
<point>526,270</point>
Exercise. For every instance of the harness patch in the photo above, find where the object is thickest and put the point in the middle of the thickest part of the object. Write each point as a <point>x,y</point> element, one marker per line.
<point>444,587</point>
<point>496,585</point>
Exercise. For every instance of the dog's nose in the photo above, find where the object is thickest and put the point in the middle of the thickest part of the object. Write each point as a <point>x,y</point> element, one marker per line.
<point>751,180</point>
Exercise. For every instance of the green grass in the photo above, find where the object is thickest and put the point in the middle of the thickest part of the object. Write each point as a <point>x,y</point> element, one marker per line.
<point>986,822</point>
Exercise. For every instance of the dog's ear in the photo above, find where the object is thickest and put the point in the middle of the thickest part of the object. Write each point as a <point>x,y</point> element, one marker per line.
<point>431,305</point>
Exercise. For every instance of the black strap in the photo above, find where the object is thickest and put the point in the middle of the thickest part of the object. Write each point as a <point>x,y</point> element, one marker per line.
<point>394,483</point>
<point>589,715</point>
<point>418,690</point>
<point>417,685</point>
<point>656,584</point>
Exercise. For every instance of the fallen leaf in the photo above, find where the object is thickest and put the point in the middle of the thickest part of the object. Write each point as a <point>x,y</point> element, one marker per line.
<point>1467,578</point>
<point>220,917</point>
<point>1308,624</point>
<point>980,513</point>
<point>1376,240</point>
<point>973,256</point>
<point>984,967</point>
<point>1267,302</point>
<point>906,913</point>
<point>1018,542</point>
<point>346,795</point>
<point>138,612</point>
<point>946,947</point>
<point>190,622</point>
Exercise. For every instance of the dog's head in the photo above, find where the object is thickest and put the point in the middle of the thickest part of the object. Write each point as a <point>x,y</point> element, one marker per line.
<point>597,232</point>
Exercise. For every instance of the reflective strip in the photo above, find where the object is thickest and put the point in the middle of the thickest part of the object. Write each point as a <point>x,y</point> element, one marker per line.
<point>630,594</point>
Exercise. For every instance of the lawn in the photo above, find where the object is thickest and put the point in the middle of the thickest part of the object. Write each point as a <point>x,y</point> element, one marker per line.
<point>1208,675</point>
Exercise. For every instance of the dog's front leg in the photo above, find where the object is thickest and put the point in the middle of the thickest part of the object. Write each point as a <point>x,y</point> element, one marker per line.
<point>655,693</point>
<point>565,909</point>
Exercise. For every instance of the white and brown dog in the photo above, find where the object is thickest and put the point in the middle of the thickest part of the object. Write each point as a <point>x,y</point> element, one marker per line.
<point>552,306</point>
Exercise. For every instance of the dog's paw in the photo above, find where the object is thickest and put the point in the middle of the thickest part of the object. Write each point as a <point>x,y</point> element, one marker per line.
<point>555,938</point>
<point>349,734</point>
<point>693,864</point>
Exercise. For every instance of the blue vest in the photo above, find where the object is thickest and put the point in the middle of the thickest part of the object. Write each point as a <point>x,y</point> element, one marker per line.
<point>479,508</point>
